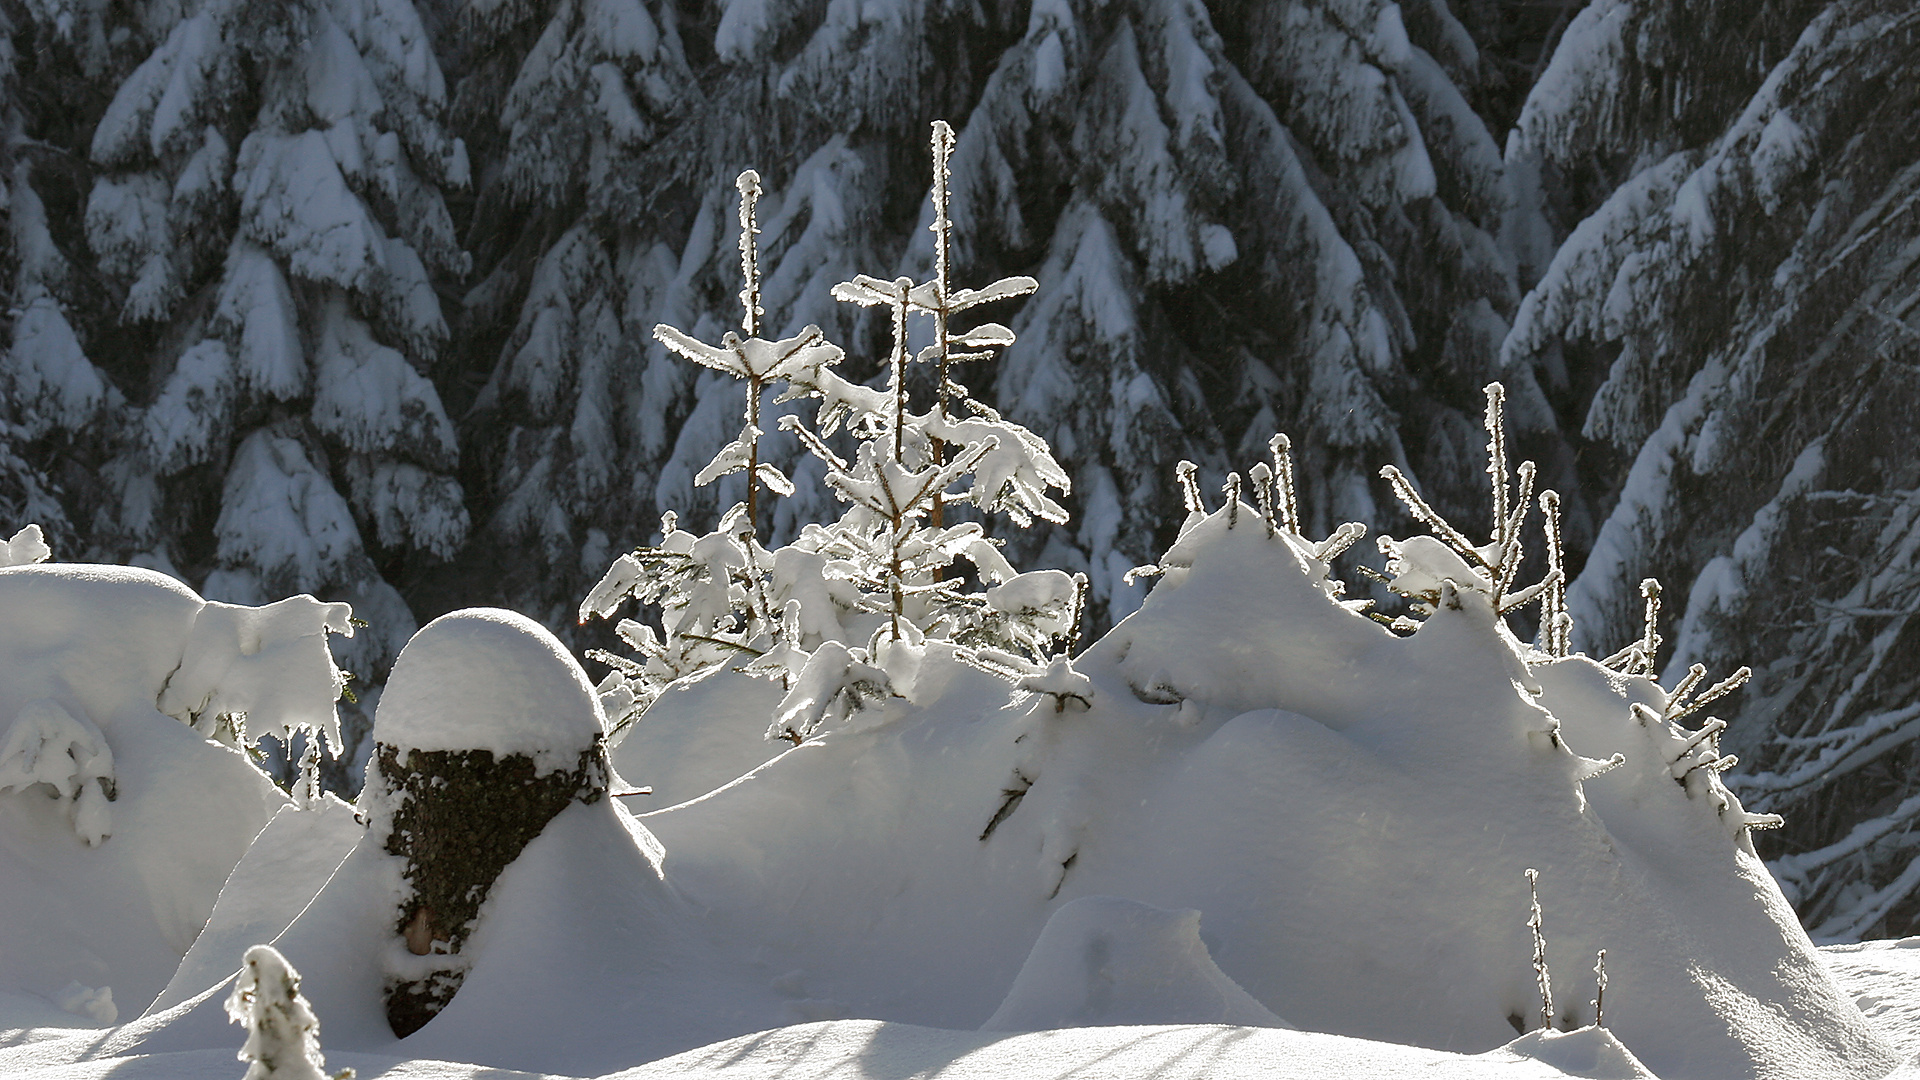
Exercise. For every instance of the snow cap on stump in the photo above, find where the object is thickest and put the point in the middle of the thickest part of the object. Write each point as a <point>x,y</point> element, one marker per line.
<point>489,679</point>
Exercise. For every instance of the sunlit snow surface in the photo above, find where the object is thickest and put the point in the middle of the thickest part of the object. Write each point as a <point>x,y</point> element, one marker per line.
<point>1274,811</point>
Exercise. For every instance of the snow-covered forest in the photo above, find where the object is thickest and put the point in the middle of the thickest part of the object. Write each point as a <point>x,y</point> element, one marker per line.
<point>1333,426</point>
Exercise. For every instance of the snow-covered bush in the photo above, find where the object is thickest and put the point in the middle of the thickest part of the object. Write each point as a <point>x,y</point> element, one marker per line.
<point>840,615</point>
<point>283,1035</point>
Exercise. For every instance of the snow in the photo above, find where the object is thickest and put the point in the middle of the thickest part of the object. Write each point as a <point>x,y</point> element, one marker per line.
<point>194,410</point>
<point>280,514</point>
<point>48,370</point>
<point>1362,945</point>
<point>1883,978</point>
<point>26,547</point>
<point>88,656</point>
<point>283,870</point>
<point>1270,808</point>
<point>295,202</point>
<point>490,679</point>
<point>1102,961</point>
<point>256,302</point>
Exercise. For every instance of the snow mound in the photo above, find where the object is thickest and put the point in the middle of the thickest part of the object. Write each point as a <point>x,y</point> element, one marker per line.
<point>1590,1052</point>
<point>872,1049</point>
<point>285,867</point>
<point>120,821</point>
<point>490,679</point>
<point>1102,961</point>
<point>1352,810</point>
<point>698,736</point>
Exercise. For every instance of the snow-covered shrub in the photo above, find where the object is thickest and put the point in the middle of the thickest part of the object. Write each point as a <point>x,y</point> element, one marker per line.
<point>839,614</point>
<point>283,1035</point>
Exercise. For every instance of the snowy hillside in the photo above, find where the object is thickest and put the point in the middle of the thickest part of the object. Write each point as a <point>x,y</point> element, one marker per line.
<point>1255,807</point>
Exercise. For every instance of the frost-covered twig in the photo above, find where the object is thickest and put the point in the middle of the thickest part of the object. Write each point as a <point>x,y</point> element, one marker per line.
<point>1282,449</point>
<point>1638,656</point>
<point>1556,625</point>
<point>1428,516</point>
<point>1189,487</point>
<point>1599,989</point>
<point>1536,928</point>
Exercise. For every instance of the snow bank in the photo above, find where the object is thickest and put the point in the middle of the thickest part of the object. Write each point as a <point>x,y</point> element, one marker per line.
<point>285,867</point>
<point>1102,961</point>
<point>113,849</point>
<point>1268,807</point>
<point>868,1049</point>
<point>877,1050</point>
<point>697,737</point>
<point>1352,811</point>
<point>489,679</point>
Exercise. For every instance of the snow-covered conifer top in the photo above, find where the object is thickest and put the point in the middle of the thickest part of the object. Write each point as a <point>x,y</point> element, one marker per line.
<point>489,679</point>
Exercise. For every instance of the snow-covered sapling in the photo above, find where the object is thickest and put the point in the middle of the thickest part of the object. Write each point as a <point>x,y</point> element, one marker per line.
<point>875,577</point>
<point>283,1035</point>
<point>754,359</point>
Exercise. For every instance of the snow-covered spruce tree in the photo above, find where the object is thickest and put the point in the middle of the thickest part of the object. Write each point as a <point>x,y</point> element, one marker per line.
<point>575,417</point>
<point>843,614</point>
<point>1239,259</point>
<point>50,395</point>
<point>1751,297</point>
<point>1252,186</point>
<point>283,1035</point>
<point>268,211</point>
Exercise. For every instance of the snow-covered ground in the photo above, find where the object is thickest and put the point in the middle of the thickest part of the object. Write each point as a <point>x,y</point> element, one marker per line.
<point>1255,834</point>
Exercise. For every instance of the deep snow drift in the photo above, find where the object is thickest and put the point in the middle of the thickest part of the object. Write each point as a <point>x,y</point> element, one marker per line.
<point>118,820</point>
<point>1264,809</point>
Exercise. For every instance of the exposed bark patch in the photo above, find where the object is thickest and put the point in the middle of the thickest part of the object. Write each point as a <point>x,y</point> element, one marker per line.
<point>458,818</point>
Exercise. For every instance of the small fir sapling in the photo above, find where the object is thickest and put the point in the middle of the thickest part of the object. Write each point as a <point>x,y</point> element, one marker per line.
<point>283,1035</point>
<point>878,575</point>
<point>754,359</point>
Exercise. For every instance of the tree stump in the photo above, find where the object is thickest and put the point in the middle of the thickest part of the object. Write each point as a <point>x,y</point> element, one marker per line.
<point>457,815</point>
